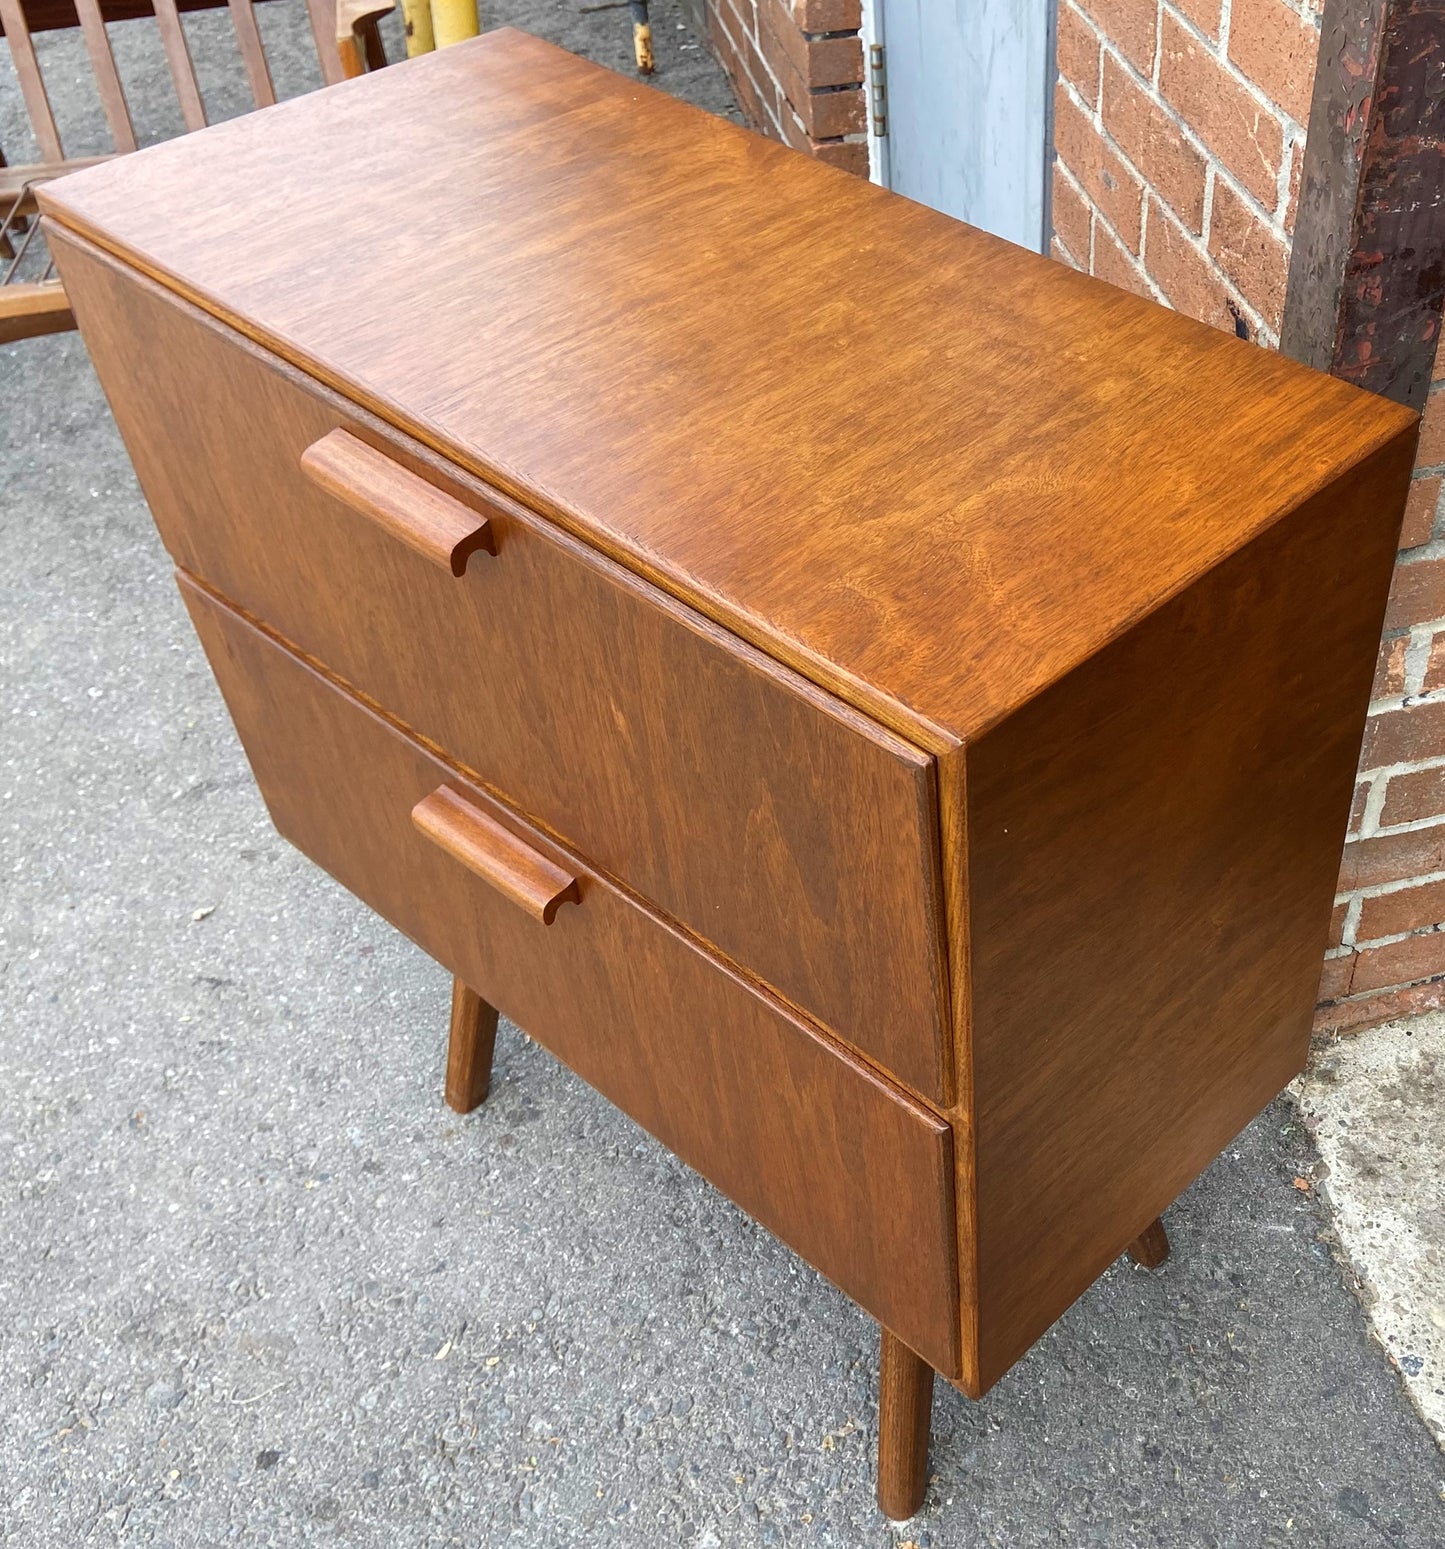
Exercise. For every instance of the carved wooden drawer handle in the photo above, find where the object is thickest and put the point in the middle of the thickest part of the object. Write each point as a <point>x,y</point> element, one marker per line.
<point>495,855</point>
<point>398,501</point>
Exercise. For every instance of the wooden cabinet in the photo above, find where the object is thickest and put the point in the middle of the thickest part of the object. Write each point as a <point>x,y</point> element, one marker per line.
<point>896,744</point>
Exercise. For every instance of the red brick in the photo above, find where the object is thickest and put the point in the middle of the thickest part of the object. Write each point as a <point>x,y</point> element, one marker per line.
<point>1249,253</point>
<point>1061,255</point>
<point>848,155</point>
<point>1417,594</point>
<point>828,15</point>
<point>1222,112</point>
<point>1130,25</point>
<point>1357,805</point>
<point>1438,375</point>
<point>1147,136</point>
<point>757,99</point>
<point>1392,914</point>
<point>1079,52</point>
<point>1353,1016</point>
<point>1390,669</point>
<point>1413,797</point>
<point>1405,737</point>
<point>1276,49</point>
<point>1432,431</point>
<point>1337,927</point>
<point>1114,266</point>
<point>1435,663</point>
<point>1073,218</point>
<point>1185,273</point>
<point>1335,977</point>
<point>740,19</point>
<point>1392,858</point>
<point>821,62</point>
<point>1419,524</point>
<point>823,115</point>
<point>1402,962</point>
<point>1205,14</point>
<point>1103,175</point>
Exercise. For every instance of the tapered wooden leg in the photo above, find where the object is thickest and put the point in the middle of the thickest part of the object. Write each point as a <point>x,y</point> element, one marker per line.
<point>469,1051</point>
<point>1151,1247</point>
<point>905,1407</point>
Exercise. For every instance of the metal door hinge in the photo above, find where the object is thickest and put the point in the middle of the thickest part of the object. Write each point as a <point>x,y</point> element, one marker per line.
<point>877,90</point>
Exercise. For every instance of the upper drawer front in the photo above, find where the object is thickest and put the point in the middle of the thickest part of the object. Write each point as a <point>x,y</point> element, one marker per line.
<point>779,825</point>
<point>852,1173</point>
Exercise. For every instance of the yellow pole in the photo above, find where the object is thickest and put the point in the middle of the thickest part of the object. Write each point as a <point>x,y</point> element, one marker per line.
<point>453,21</point>
<point>417,16</point>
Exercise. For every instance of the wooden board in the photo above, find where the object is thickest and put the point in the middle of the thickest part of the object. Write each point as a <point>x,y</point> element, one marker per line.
<point>773,821</point>
<point>623,317</point>
<point>1154,845</point>
<point>840,1164</point>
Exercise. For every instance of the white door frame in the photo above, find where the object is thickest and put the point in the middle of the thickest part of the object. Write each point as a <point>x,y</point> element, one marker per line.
<point>874,31</point>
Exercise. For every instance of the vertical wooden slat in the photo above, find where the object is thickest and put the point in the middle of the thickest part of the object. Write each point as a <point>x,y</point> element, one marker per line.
<point>107,79</point>
<point>178,57</point>
<point>323,29</point>
<point>253,55</point>
<point>32,83</point>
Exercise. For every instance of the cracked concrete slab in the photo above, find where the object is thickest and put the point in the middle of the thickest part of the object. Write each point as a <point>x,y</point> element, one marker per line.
<point>1375,1103</point>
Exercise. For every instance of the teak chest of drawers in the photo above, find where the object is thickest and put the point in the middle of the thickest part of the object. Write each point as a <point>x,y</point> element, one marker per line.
<point>885,713</point>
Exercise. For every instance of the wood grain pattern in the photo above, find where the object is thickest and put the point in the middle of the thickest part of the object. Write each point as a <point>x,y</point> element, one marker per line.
<point>669,364</point>
<point>18,183</point>
<point>1034,793</point>
<point>470,1042</point>
<point>32,82</point>
<point>414,512</point>
<point>840,1164</point>
<point>323,32</point>
<point>905,1410</point>
<point>47,15</point>
<point>27,311</point>
<point>774,822</point>
<point>178,59</point>
<point>1150,1248</point>
<point>1153,848</point>
<point>107,78</point>
<point>495,854</point>
<point>253,52</point>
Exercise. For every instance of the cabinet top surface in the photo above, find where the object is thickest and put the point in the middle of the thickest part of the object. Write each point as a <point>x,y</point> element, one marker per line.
<point>932,471</point>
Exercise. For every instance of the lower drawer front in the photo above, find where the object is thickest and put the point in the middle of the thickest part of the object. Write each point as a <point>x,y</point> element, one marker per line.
<point>843,1167</point>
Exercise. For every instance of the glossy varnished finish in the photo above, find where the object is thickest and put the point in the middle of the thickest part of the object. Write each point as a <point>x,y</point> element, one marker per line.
<point>491,851</point>
<point>403,504</point>
<point>905,1403</point>
<point>1150,1249</point>
<point>934,470</point>
<point>754,808</point>
<point>1153,848</point>
<point>470,1041</point>
<point>874,716</point>
<point>840,1164</point>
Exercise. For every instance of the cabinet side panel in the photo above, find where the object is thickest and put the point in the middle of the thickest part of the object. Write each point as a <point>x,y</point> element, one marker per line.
<point>1154,844</point>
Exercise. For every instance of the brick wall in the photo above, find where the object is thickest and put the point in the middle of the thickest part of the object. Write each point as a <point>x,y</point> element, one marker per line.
<point>1387,945</point>
<point>1178,132</point>
<point>1179,141</point>
<point>797,69</point>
